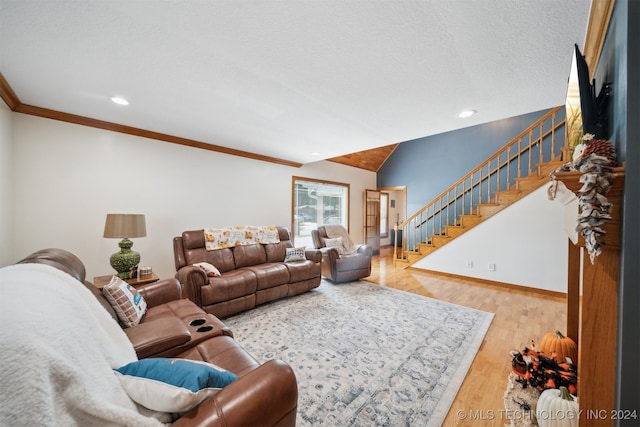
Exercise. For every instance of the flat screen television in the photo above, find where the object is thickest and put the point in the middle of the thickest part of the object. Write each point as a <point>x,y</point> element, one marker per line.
<point>594,108</point>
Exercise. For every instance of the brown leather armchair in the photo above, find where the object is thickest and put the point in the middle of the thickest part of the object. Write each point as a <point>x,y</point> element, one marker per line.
<point>345,266</point>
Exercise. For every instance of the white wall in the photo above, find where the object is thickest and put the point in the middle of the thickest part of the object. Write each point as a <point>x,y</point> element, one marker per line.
<point>527,242</point>
<point>68,177</point>
<point>6,143</point>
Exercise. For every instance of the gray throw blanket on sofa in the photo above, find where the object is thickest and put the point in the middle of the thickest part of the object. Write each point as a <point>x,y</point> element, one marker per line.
<point>58,347</point>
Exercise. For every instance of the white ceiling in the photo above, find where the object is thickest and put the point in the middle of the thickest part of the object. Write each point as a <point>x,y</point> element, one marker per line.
<point>285,78</point>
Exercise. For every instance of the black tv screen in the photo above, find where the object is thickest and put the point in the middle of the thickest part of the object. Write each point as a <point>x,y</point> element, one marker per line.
<point>586,93</point>
<point>594,109</point>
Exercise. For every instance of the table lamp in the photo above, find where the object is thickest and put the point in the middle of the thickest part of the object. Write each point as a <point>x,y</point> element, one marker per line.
<point>124,226</point>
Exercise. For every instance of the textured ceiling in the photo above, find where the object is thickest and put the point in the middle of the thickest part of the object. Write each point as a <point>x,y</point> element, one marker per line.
<point>287,78</point>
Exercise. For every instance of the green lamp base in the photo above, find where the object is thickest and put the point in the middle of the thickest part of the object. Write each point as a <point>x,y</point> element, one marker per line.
<point>123,261</point>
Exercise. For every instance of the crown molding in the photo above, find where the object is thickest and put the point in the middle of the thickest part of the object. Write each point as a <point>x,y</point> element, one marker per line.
<point>14,103</point>
<point>8,95</point>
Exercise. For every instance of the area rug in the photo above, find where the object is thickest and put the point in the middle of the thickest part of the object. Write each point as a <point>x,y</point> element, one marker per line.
<point>367,355</point>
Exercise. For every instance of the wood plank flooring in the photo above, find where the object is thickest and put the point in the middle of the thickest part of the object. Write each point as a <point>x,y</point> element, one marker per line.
<point>520,317</point>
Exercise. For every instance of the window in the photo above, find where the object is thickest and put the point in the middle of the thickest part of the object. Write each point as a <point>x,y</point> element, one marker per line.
<point>317,203</point>
<point>384,215</point>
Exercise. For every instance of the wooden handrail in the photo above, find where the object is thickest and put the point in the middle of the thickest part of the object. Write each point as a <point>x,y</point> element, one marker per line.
<point>498,172</point>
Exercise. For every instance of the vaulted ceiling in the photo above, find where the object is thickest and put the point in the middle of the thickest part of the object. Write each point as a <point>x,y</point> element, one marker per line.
<point>290,80</point>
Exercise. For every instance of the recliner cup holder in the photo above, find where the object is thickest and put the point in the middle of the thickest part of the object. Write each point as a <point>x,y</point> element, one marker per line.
<point>197,322</point>
<point>205,328</point>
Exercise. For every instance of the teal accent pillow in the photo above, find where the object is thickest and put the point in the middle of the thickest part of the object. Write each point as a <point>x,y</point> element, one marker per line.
<point>172,385</point>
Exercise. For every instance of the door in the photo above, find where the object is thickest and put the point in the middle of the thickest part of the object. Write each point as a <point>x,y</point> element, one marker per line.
<point>372,219</point>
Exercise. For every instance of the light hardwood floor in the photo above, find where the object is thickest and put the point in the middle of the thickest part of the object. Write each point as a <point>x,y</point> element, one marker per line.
<point>520,317</point>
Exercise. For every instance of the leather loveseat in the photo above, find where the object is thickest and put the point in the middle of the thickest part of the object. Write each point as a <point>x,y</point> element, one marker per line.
<point>250,275</point>
<point>173,327</point>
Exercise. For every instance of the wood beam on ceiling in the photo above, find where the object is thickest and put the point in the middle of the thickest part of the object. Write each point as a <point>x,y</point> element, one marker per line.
<point>371,160</point>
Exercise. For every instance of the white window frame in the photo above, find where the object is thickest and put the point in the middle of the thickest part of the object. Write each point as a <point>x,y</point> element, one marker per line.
<point>304,218</point>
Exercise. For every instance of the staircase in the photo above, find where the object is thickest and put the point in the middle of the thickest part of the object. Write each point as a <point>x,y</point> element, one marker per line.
<point>515,170</point>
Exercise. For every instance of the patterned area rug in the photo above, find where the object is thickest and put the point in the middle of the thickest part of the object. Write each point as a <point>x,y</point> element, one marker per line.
<point>366,355</point>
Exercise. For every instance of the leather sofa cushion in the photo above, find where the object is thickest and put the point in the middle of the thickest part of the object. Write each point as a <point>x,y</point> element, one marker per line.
<point>60,259</point>
<point>269,275</point>
<point>222,259</point>
<point>302,270</point>
<point>231,285</point>
<point>194,252</point>
<point>152,338</point>
<point>193,239</point>
<point>354,261</point>
<point>224,352</point>
<point>277,251</point>
<point>249,255</point>
<point>183,309</point>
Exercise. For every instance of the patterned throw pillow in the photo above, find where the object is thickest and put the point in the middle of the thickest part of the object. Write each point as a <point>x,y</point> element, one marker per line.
<point>295,254</point>
<point>210,269</point>
<point>172,385</point>
<point>125,300</point>
<point>335,243</point>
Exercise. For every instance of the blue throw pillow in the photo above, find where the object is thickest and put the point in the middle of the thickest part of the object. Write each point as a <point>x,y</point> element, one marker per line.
<point>172,385</point>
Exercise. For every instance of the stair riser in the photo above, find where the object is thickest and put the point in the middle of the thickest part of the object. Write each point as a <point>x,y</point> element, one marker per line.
<point>426,249</point>
<point>508,197</point>
<point>411,257</point>
<point>469,220</point>
<point>489,210</point>
<point>528,185</point>
<point>545,169</point>
<point>454,232</point>
<point>440,240</point>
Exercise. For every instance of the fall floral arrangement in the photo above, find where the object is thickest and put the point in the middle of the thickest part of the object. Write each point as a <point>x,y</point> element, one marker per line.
<point>551,366</point>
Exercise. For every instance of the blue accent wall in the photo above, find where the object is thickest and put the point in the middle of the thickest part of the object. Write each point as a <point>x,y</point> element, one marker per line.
<point>428,166</point>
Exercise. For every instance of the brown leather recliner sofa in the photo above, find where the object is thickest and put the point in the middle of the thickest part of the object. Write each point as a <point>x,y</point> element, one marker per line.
<point>264,395</point>
<point>250,275</point>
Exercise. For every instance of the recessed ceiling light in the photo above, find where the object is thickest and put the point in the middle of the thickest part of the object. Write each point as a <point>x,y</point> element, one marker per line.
<point>119,100</point>
<point>315,153</point>
<point>467,113</point>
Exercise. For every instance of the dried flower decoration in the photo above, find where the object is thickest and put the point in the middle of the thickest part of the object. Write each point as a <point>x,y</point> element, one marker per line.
<point>595,163</point>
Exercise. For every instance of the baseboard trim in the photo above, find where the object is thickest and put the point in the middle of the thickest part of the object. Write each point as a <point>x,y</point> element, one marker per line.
<point>511,286</point>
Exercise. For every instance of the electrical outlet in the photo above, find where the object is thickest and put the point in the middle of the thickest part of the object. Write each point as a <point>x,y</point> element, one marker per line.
<point>492,267</point>
<point>469,264</point>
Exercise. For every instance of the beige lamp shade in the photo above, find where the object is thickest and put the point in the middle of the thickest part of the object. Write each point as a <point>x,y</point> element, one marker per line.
<point>125,226</point>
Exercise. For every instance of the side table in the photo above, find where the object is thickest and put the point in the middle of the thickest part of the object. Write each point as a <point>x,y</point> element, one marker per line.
<point>101,281</point>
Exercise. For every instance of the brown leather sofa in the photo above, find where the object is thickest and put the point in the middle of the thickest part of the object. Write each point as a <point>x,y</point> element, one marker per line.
<point>250,275</point>
<point>345,267</point>
<point>264,395</point>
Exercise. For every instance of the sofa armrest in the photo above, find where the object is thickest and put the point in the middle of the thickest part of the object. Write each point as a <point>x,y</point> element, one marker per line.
<point>192,279</point>
<point>365,250</point>
<point>266,396</point>
<point>157,336</point>
<point>314,255</point>
<point>160,292</point>
<point>331,253</point>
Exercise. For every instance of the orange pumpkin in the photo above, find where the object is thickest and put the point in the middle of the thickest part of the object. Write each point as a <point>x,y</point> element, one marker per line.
<point>557,346</point>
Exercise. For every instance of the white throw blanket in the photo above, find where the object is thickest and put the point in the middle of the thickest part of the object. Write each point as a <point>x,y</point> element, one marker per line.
<point>58,347</point>
<point>335,231</point>
<point>239,235</point>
